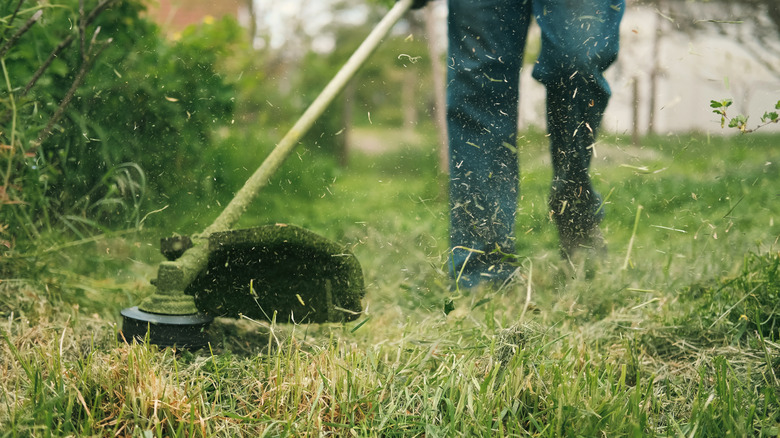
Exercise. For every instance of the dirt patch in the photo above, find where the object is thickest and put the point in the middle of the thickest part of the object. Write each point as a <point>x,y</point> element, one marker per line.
<point>368,142</point>
<point>612,155</point>
<point>374,142</point>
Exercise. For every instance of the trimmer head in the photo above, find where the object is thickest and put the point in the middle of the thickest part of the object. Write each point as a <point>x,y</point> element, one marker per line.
<point>181,331</point>
<point>280,272</point>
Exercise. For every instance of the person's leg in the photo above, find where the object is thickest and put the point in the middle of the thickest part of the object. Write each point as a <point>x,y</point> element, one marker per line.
<point>580,39</point>
<point>486,40</point>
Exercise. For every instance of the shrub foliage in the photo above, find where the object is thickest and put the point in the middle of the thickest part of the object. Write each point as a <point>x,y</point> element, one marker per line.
<point>99,110</point>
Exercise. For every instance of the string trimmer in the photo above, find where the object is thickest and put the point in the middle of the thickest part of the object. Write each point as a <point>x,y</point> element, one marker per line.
<point>278,272</point>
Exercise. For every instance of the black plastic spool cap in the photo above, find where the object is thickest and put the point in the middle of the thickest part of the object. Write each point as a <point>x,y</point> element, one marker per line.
<point>180,331</point>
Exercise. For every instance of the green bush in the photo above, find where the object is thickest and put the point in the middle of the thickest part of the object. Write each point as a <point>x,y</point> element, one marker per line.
<point>142,113</point>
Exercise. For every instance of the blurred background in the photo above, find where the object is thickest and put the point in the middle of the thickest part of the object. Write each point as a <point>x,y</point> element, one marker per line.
<point>147,110</point>
<point>676,55</point>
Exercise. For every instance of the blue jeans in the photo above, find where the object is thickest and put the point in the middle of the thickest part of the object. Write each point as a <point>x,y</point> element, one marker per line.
<point>487,39</point>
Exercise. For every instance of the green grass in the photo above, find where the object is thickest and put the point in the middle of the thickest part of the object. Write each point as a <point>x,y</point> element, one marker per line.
<point>678,337</point>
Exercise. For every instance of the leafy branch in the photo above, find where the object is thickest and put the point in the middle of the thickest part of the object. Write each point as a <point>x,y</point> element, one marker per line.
<point>83,70</point>
<point>27,25</point>
<point>88,55</point>
<point>740,121</point>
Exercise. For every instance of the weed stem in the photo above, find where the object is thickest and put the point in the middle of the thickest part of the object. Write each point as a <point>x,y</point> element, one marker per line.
<point>631,241</point>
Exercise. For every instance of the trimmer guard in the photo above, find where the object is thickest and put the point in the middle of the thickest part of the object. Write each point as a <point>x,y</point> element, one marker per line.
<point>280,272</point>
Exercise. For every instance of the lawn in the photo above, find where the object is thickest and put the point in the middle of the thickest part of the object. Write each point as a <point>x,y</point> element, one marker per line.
<point>676,334</point>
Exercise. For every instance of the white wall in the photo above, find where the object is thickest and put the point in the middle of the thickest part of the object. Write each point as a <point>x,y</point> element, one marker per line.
<point>695,69</point>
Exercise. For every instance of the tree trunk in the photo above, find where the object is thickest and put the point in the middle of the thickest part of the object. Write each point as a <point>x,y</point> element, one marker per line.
<point>346,124</point>
<point>250,4</point>
<point>655,72</point>
<point>635,129</point>
<point>408,98</point>
<point>439,88</point>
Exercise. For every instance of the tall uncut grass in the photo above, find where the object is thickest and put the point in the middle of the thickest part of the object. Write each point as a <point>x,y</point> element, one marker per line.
<point>675,334</point>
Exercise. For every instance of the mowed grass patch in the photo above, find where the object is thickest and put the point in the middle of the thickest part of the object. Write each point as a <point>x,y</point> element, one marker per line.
<point>675,335</point>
